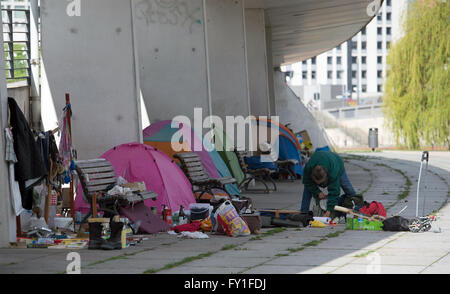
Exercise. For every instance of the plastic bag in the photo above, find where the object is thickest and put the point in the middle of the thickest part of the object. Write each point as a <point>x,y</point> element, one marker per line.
<point>230,220</point>
<point>396,224</point>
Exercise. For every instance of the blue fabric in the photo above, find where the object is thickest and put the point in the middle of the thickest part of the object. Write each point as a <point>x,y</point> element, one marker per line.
<point>254,162</point>
<point>345,185</point>
<point>289,151</point>
<point>325,148</point>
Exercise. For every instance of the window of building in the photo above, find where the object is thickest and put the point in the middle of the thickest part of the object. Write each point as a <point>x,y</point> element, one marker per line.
<point>304,61</point>
<point>379,45</point>
<point>339,74</point>
<point>339,47</point>
<point>388,3</point>
<point>363,74</point>
<point>388,44</point>
<point>330,60</point>
<point>364,88</point>
<point>363,31</point>
<point>379,16</point>
<point>313,75</point>
<point>388,16</point>
<point>304,74</point>
<point>354,45</point>
<point>363,59</point>
<point>379,59</point>
<point>379,74</point>
<point>338,60</point>
<point>354,74</point>
<point>379,31</point>
<point>354,59</point>
<point>316,96</point>
<point>388,31</point>
<point>330,74</point>
<point>363,45</point>
<point>379,88</point>
<point>313,60</point>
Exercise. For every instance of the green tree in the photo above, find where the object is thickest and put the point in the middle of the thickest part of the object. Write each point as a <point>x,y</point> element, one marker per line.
<point>417,98</point>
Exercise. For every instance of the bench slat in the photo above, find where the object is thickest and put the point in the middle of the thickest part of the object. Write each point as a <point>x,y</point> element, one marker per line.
<point>97,170</point>
<point>97,188</point>
<point>101,181</point>
<point>92,163</point>
<point>102,175</point>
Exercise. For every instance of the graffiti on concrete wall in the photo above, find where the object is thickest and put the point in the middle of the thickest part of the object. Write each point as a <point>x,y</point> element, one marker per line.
<point>183,13</point>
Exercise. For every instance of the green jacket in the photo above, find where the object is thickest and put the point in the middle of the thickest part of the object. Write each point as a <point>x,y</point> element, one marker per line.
<point>334,166</point>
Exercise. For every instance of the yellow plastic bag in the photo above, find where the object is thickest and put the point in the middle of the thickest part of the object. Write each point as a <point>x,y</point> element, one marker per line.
<point>206,224</point>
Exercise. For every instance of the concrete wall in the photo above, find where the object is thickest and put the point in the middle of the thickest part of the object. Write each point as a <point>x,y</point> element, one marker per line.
<point>291,110</point>
<point>22,96</point>
<point>172,57</point>
<point>257,61</point>
<point>225,39</point>
<point>91,56</point>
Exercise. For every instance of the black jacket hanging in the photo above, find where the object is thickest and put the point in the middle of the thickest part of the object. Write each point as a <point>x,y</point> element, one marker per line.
<point>30,164</point>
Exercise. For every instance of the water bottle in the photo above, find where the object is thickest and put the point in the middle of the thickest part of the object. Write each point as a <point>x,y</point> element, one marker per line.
<point>360,222</point>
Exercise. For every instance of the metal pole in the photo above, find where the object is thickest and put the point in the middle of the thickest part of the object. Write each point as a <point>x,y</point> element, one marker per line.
<point>425,156</point>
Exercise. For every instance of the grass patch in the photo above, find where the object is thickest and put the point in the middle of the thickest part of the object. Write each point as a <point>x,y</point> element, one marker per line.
<point>334,235</point>
<point>312,243</point>
<point>181,262</point>
<point>268,233</point>
<point>293,250</point>
<point>122,256</point>
<point>229,247</point>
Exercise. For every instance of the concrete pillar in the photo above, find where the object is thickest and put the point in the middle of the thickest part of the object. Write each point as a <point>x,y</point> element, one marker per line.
<point>172,57</point>
<point>270,69</point>
<point>257,62</point>
<point>88,51</point>
<point>291,110</point>
<point>227,60</point>
<point>6,219</point>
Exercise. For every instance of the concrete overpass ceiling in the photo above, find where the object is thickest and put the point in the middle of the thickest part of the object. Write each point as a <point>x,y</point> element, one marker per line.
<point>302,29</point>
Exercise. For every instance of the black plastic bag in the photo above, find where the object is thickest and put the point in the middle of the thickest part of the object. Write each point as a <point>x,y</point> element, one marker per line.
<point>396,224</point>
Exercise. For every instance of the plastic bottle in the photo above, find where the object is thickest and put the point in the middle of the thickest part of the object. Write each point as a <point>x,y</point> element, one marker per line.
<point>360,222</point>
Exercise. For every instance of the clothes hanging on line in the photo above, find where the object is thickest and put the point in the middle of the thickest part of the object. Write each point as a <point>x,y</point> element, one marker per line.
<point>29,168</point>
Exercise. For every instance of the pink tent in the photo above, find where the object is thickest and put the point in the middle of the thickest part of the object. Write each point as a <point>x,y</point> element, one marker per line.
<point>142,163</point>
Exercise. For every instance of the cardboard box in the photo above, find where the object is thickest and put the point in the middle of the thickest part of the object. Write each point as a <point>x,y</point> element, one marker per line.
<point>353,224</point>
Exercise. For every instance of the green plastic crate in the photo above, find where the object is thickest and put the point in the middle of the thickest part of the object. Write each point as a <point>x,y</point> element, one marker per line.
<point>353,224</point>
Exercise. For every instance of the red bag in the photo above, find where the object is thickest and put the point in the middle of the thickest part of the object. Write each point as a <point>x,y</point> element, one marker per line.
<point>374,208</point>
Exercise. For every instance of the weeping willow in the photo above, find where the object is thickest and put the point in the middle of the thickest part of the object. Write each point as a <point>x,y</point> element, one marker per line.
<point>416,100</point>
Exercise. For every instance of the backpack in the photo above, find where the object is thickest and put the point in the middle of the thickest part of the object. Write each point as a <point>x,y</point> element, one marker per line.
<point>373,208</point>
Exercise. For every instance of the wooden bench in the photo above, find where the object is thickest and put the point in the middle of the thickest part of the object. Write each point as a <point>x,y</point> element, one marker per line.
<point>194,170</point>
<point>262,175</point>
<point>97,177</point>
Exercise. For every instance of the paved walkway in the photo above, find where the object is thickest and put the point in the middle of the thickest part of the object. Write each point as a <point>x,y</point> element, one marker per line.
<point>389,177</point>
